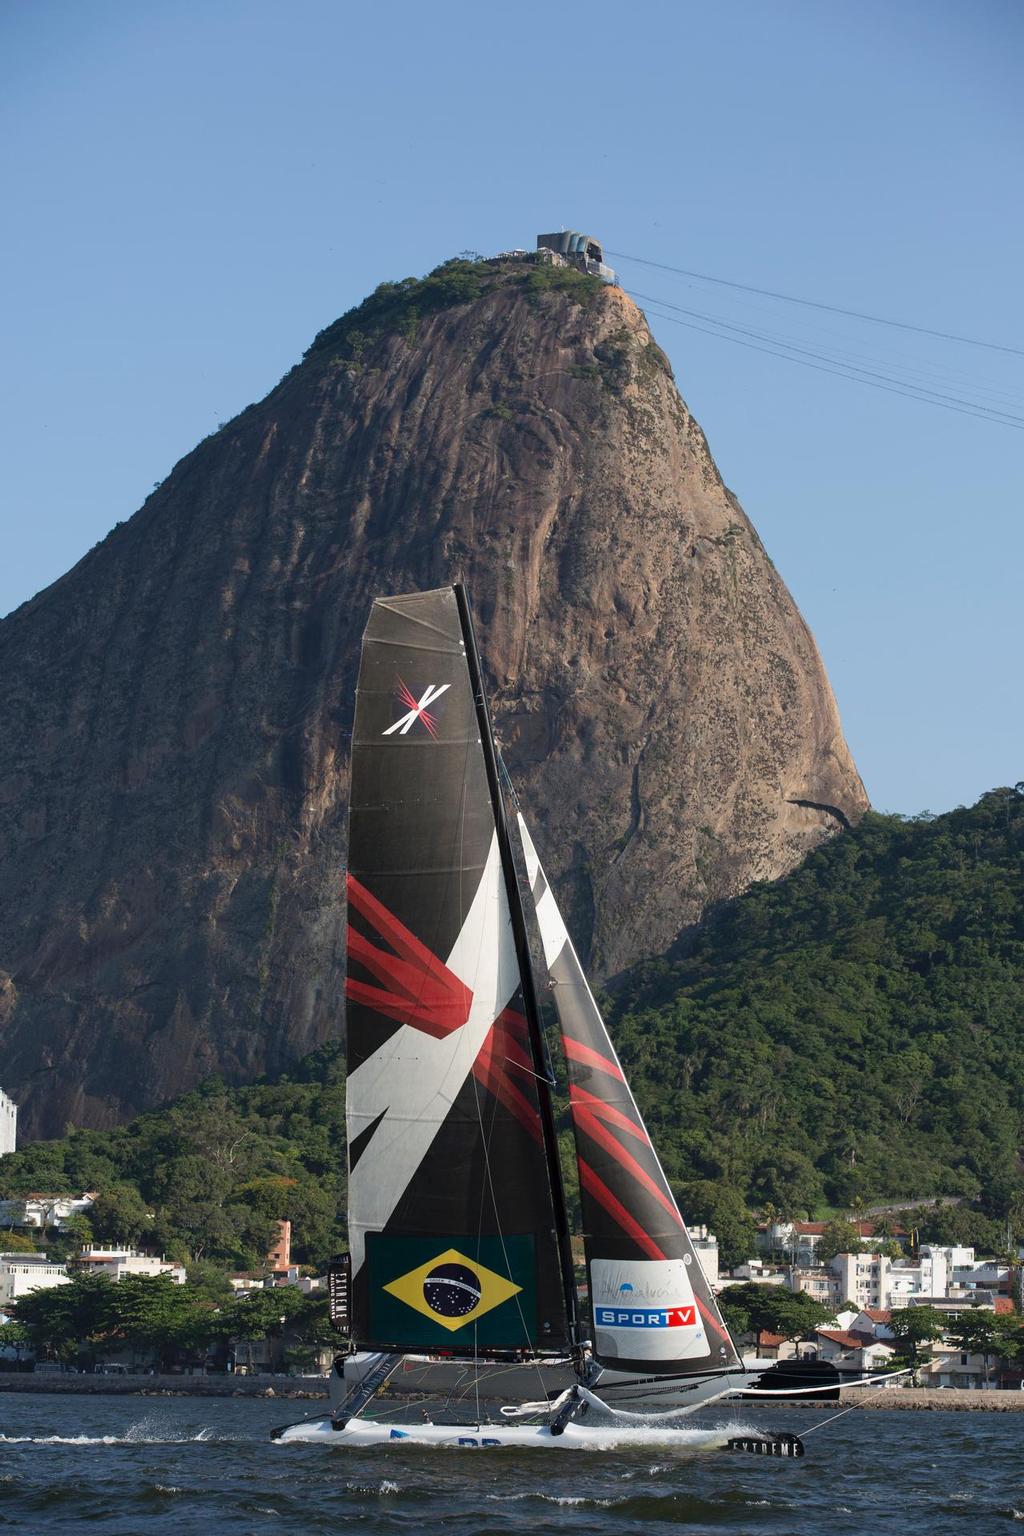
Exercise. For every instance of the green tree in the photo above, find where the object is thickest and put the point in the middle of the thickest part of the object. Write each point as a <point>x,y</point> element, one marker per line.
<point>839,1236</point>
<point>725,1212</point>
<point>749,1307</point>
<point>63,1317</point>
<point>913,1327</point>
<point>120,1215</point>
<point>153,1315</point>
<point>16,1242</point>
<point>68,1240</point>
<point>980,1332</point>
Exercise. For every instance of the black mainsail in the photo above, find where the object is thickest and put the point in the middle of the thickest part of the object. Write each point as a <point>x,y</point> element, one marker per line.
<point>456,1216</point>
<point>653,1308</point>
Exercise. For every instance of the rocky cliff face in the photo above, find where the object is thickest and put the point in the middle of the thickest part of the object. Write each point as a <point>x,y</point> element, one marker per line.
<point>174,767</point>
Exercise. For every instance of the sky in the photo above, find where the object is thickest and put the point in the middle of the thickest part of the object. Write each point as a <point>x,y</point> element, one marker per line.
<point>191,189</point>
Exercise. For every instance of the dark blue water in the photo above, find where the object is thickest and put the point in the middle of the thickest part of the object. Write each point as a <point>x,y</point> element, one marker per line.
<point>131,1467</point>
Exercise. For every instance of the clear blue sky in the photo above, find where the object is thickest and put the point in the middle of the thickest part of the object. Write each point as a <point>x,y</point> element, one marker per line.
<point>192,188</point>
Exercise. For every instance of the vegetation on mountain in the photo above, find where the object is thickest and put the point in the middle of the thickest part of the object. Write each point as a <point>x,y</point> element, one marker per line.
<point>206,1179</point>
<point>396,309</point>
<point>853,1033</point>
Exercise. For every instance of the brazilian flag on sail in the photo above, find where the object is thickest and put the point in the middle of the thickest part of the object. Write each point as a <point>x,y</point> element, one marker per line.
<point>452,1292</point>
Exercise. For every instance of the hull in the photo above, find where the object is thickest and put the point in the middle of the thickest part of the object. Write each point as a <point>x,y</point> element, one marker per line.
<point>518,1382</point>
<point>359,1434</point>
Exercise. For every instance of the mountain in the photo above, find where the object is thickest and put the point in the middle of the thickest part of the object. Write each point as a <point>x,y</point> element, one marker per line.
<point>854,1032</point>
<point>174,767</point>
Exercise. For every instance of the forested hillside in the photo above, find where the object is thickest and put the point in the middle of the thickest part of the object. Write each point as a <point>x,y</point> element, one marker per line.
<point>852,1033</point>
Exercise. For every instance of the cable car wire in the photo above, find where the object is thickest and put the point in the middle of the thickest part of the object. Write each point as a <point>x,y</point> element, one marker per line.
<point>980,412</point>
<point>852,369</point>
<point>835,309</point>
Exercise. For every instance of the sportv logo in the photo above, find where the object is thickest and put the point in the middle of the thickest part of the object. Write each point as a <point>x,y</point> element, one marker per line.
<point>647,1317</point>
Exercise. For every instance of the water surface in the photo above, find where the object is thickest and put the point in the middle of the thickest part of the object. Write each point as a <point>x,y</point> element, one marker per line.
<point>203,1467</point>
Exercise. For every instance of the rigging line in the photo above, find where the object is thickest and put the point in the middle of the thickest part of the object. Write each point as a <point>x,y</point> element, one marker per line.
<point>922,389</point>
<point>838,372</point>
<point>831,341</point>
<point>821,335</point>
<point>833,355</point>
<point>835,309</point>
<point>853,1406</point>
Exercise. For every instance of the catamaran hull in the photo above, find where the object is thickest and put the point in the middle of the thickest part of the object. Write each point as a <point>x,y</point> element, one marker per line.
<point>518,1382</point>
<point>363,1433</point>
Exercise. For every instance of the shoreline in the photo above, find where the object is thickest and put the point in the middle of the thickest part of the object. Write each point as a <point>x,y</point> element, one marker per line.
<point>314,1388</point>
<point>295,1387</point>
<point>922,1400</point>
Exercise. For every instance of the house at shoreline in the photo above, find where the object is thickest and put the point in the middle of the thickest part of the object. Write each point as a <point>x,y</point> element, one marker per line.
<point>115,1263</point>
<point>22,1273</point>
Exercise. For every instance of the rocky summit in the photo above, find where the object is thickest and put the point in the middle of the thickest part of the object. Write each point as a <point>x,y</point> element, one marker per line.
<point>174,767</point>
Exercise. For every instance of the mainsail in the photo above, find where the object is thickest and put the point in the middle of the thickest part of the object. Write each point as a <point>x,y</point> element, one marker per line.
<point>653,1309</point>
<point>455,1228</point>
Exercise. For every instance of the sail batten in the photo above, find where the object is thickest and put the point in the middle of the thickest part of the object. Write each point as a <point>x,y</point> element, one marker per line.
<point>452,1219</point>
<point>653,1309</point>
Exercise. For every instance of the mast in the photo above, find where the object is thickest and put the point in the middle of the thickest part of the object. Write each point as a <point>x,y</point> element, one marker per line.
<point>531,1008</point>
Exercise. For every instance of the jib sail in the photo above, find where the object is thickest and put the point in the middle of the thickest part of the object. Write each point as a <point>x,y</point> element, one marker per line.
<point>653,1309</point>
<point>453,1226</point>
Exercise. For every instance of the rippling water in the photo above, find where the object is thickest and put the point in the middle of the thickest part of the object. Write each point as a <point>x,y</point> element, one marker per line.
<point>134,1467</point>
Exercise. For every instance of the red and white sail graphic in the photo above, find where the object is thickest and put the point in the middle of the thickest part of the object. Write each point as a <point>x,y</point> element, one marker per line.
<point>652,1306</point>
<point>417,709</point>
<point>407,1088</point>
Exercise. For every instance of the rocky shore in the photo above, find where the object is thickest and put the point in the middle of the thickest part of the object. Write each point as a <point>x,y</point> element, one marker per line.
<point>933,1399</point>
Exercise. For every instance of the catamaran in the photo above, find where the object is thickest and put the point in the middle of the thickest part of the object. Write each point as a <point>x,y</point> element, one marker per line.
<point>460,1268</point>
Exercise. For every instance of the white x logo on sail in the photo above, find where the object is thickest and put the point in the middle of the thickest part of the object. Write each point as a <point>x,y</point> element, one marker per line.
<point>418,709</point>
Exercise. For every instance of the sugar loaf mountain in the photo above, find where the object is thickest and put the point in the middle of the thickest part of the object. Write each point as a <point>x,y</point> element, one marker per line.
<point>178,707</point>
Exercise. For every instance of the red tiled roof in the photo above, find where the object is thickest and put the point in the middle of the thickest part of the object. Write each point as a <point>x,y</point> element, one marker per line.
<point>844,1338</point>
<point>817,1228</point>
<point>877,1314</point>
<point>766,1340</point>
<point>1003,1305</point>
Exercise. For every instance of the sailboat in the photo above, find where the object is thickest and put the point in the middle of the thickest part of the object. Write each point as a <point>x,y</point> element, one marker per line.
<point>460,1256</point>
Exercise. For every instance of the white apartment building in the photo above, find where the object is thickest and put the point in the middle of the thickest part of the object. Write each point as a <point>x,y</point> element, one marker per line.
<point>8,1123</point>
<point>21,1273</point>
<point>118,1262</point>
<point>705,1245</point>
<point>816,1283</point>
<point>45,1210</point>
<point>861,1278</point>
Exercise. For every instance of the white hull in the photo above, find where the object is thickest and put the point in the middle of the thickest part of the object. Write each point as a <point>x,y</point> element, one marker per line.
<point>361,1433</point>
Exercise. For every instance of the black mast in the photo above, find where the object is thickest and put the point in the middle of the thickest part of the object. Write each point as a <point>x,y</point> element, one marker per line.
<point>530,1004</point>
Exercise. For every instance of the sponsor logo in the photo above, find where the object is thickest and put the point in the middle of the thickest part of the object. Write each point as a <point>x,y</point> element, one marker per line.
<point>452,1290</point>
<point>646,1317</point>
<point>416,709</point>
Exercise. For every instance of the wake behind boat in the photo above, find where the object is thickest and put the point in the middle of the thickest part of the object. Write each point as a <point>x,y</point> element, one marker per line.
<point>458,1224</point>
